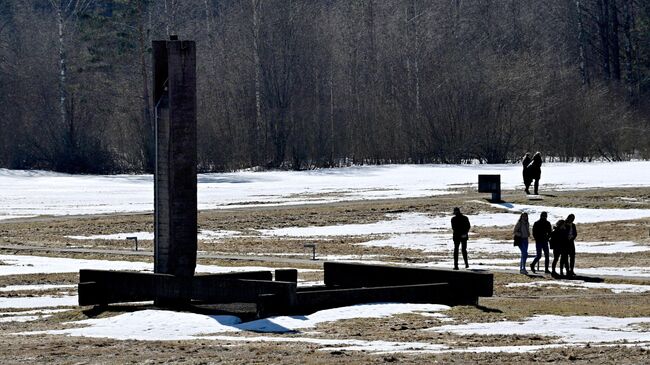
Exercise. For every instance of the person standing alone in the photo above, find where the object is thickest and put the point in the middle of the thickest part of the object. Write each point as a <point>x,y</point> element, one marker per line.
<point>460,225</point>
<point>542,233</point>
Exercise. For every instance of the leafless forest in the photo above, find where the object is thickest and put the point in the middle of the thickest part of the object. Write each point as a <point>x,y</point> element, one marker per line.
<point>317,83</point>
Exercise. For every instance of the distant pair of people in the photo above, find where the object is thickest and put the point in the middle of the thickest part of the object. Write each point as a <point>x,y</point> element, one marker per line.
<point>563,245</point>
<point>541,233</point>
<point>561,240</point>
<point>532,171</point>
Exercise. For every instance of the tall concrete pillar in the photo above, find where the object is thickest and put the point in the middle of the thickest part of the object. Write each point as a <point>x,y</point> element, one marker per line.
<point>175,217</point>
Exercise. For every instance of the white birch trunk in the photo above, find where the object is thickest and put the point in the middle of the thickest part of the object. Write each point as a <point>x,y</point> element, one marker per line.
<point>257,72</point>
<point>581,45</point>
<point>62,66</point>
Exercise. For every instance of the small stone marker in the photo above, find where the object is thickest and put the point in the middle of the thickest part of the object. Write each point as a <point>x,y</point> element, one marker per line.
<point>313,249</point>
<point>135,240</point>
<point>490,184</point>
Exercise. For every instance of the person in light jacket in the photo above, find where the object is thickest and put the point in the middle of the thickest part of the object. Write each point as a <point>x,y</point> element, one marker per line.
<point>522,232</point>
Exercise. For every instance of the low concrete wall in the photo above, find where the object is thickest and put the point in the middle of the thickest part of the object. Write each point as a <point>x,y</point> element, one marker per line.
<point>464,286</point>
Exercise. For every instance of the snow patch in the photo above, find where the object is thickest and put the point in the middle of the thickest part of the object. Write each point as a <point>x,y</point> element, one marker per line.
<point>615,288</point>
<point>23,265</point>
<point>567,329</point>
<point>38,302</point>
<point>28,316</point>
<point>36,287</point>
<point>160,325</point>
<point>203,235</point>
<point>28,193</point>
<point>583,215</point>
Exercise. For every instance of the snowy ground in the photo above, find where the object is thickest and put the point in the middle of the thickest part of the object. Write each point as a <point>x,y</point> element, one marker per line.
<point>431,234</point>
<point>28,193</point>
<point>158,325</point>
<point>37,303</point>
<point>23,265</point>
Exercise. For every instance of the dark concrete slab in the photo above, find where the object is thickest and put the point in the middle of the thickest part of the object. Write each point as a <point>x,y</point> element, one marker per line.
<point>102,287</point>
<point>464,286</point>
<point>314,300</point>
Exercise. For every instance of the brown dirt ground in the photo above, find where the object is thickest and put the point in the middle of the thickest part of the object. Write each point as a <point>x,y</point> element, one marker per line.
<point>507,304</point>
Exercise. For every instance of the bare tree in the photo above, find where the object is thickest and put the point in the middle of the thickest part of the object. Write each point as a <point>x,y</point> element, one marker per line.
<point>613,40</point>
<point>582,44</point>
<point>630,52</point>
<point>66,13</point>
<point>257,76</point>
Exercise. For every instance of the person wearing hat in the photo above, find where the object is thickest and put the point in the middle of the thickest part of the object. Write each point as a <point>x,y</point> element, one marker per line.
<point>460,225</point>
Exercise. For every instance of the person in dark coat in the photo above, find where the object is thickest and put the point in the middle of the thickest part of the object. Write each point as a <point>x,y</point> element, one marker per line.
<point>460,225</point>
<point>525,172</point>
<point>535,169</point>
<point>542,233</point>
<point>558,244</point>
<point>572,233</point>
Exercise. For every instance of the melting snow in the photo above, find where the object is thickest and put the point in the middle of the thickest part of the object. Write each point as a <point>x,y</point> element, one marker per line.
<point>569,329</point>
<point>28,193</point>
<point>583,215</point>
<point>22,265</point>
<point>159,325</point>
<point>28,316</point>
<point>35,287</point>
<point>616,288</point>
<point>203,235</point>
<point>38,302</point>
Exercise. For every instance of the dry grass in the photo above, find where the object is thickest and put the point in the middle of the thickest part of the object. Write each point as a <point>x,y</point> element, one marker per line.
<point>509,303</point>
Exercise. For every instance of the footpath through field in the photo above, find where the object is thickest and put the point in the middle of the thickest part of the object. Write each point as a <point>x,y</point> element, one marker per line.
<point>281,260</point>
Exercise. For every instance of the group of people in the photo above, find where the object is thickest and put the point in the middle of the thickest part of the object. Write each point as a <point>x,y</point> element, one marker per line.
<point>560,239</point>
<point>532,170</point>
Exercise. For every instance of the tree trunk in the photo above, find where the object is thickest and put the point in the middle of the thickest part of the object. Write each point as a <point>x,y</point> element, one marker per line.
<point>603,32</point>
<point>257,75</point>
<point>584,73</point>
<point>62,67</point>
<point>331,85</point>
<point>147,120</point>
<point>208,17</point>
<point>331,91</point>
<point>630,55</point>
<point>613,42</point>
<point>170,13</point>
